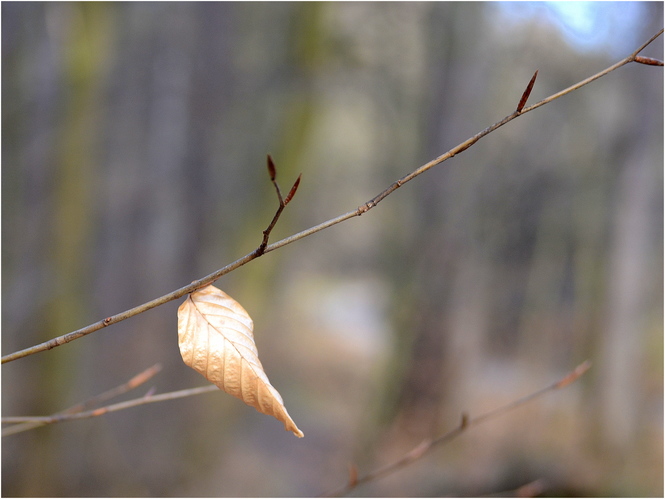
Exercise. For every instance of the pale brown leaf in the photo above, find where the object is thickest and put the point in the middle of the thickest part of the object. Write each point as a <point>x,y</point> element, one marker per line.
<point>216,339</point>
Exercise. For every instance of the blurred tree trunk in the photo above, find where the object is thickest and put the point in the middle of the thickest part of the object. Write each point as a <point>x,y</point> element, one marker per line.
<point>82,32</point>
<point>427,357</point>
<point>632,280</point>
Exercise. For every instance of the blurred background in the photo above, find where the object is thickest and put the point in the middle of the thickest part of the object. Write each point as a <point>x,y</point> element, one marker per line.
<point>134,144</point>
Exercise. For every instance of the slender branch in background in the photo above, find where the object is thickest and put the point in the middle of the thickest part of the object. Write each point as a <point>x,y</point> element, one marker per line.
<point>148,398</point>
<point>648,61</point>
<point>29,423</point>
<point>427,445</point>
<point>535,488</point>
<point>204,281</point>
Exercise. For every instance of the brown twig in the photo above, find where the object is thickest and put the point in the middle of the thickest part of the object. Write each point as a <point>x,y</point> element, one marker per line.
<point>25,424</point>
<point>427,445</point>
<point>535,488</point>
<point>272,171</point>
<point>204,281</point>
<point>146,399</point>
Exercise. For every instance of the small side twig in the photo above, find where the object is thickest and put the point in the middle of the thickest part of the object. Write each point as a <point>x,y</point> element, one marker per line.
<point>535,488</point>
<point>427,445</point>
<point>272,171</point>
<point>28,423</point>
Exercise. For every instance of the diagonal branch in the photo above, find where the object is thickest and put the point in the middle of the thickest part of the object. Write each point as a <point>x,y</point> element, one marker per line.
<point>28,423</point>
<point>204,281</point>
<point>427,445</point>
<point>146,399</point>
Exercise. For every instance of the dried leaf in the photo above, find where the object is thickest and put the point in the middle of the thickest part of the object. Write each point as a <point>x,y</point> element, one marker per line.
<point>215,338</point>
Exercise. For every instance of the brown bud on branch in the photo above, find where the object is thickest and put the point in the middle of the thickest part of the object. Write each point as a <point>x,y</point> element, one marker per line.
<point>648,60</point>
<point>293,190</point>
<point>527,92</point>
<point>271,169</point>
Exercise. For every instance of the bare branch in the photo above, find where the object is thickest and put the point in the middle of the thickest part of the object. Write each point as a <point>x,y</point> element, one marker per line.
<point>146,399</point>
<point>204,281</point>
<point>282,204</point>
<point>535,488</point>
<point>30,423</point>
<point>427,445</point>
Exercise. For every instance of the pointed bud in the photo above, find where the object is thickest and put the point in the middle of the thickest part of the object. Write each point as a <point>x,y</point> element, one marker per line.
<point>293,190</point>
<point>271,168</point>
<point>648,60</point>
<point>527,92</point>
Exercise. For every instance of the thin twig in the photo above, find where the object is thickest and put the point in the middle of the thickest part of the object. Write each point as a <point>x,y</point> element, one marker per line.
<point>30,423</point>
<point>204,281</point>
<point>272,171</point>
<point>535,488</point>
<point>427,445</point>
<point>146,399</point>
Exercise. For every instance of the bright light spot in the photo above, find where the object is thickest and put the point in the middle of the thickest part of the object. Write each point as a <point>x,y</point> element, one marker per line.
<point>587,26</point>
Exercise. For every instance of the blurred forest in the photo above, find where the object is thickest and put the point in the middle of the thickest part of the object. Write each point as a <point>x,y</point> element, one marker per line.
<point>134,138</point>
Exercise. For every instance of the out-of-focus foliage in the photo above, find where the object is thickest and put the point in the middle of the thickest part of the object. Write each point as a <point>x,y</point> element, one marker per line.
<point>134,139</point>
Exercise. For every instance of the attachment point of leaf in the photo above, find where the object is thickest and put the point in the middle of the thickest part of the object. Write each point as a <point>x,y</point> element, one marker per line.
<point>527,92</point>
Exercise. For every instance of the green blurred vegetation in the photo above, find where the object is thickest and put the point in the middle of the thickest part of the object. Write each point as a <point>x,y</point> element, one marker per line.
<point>134,143</point>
